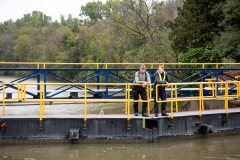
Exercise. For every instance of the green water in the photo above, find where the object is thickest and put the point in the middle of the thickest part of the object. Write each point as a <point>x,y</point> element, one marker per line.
<point>220,147</point>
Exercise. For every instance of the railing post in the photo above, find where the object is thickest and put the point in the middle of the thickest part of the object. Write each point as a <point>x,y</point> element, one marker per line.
<point>214,89</point>
<point>25,92</point>
<point>41,102</point>
<point>19,91</point>
<point>128,106</point>
<point>151,66</point>
<point>200,99</point>
<point>175,88</point>
<point>85,107</point>
<point>238,89</point>
<point>226,97</point>
<point>128,100</point>
<point>171,115</point>
<point>41,98</point>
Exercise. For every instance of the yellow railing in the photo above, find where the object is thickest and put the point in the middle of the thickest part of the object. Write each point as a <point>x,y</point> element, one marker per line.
<point>173,89</point>
<point>23,88</point>
<point>199,89</point>
<point>45,65</point>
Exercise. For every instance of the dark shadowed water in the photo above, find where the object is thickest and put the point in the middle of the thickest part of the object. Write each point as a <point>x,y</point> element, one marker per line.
<point>219,147</point>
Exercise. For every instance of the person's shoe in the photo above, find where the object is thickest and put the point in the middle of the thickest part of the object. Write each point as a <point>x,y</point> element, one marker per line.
<point>164,114</point>
<point>135,113</point>
<point>156,114</point>
<point>145,115</point>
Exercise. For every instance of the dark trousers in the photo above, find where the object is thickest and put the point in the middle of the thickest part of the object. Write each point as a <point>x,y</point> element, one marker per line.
<point>162,95</point>
<point>136,91</point>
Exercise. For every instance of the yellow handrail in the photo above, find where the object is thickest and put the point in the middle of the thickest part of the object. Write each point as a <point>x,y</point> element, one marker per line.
<point>45,65</point>
<point>174,87</point>
<point>85,102</point>
<point>128,100</point>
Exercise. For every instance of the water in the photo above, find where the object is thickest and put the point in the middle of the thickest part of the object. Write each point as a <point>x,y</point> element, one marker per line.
<point>220,147</point>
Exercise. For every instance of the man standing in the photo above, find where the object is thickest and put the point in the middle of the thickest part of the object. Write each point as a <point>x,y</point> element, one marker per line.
<point>142,78</point>
<point>161,77</point>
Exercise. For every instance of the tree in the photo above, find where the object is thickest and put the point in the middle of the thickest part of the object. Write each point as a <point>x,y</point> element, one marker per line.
<point>38,44</point>
<point>35,19</point>
<point>130,31</point>
<point>6,47</point>
<point>207,53</point>
<point>7,26</point>
<point>72,23</point>
<point>137,18</point>
<point>196,24</point>
<point>93,11</point>
<point>142,22</point>
<point>228,42</point>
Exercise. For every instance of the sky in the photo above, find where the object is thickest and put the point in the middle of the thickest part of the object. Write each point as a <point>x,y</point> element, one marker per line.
<point>15,9</point>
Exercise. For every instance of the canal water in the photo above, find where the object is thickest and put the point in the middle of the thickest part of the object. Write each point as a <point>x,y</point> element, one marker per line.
<point>215,148</point>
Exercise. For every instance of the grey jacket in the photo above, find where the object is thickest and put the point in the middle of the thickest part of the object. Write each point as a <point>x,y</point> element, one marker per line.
<point>140,77</point>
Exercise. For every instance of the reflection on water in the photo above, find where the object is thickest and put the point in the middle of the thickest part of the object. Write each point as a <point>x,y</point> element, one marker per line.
<point>224,147</point>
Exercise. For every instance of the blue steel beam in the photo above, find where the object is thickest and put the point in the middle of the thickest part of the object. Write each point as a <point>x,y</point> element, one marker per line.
<point>68,81</point>
<point>79,80</point>
<point>197,74</point>
<point>22,79</point>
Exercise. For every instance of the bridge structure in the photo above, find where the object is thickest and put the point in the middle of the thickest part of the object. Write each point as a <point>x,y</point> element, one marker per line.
<point>111,73</point>
<point>87,83</point>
